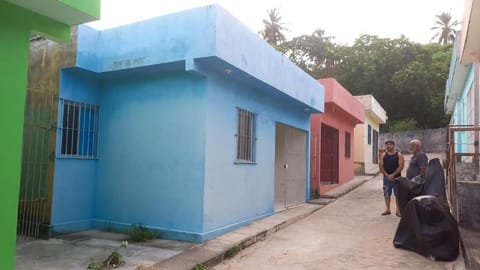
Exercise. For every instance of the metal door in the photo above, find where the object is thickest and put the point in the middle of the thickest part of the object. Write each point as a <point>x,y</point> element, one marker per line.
<point>290,166</point>
<point>35,196</point>
<point>329,155</point>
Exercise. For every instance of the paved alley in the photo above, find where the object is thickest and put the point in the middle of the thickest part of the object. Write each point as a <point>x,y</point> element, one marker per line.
<point>349,233</point>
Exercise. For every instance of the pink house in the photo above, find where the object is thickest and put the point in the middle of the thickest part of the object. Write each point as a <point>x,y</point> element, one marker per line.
<point>331,155</point>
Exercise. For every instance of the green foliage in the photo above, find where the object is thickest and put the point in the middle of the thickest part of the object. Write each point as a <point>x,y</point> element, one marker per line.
<point>232,251</point>
<point>406,78</point>
<point>140,233</point>
<point>94,266</point>
<point>200,267</point>
<point>403,125</point>
<point>310,52</point>
<point>314,194</point>
<point>445,27</point>
<point>114,260</point>
<point>273,28</point>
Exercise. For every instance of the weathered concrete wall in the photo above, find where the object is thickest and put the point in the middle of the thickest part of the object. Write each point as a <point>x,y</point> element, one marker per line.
<point>468,202</point>
<point>46,59</point>
<point>433,140</point>
<point>465,171</point>
<point>468,188</point>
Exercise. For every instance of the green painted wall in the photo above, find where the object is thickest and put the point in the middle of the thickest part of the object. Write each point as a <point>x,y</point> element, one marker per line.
<point>14,59</point>
<point>16,26</point>
<point>92,7</point>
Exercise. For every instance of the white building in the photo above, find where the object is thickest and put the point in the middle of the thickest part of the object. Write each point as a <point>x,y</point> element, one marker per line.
<point>366,136</point>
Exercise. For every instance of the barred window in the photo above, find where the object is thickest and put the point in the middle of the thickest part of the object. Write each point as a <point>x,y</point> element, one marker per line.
<point>79,129</point>
<point>246,136</point>
<point>348,144</point>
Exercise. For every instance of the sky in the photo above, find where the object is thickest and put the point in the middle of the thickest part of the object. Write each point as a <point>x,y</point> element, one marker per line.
<point>343,19</point>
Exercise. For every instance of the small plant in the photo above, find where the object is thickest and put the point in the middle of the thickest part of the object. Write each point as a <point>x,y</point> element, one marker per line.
<point>232,251</point>
<point>114,260</point>
<point>140,233</point>
<point>200,267</point>
<point>94,266</point>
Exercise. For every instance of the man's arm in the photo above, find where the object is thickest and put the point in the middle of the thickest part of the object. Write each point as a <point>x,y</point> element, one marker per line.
<point>401,164</point>
<point>380,164</point>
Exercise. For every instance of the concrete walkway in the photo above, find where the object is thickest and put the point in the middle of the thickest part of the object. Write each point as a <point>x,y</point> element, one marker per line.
<point>335,232</point>
<point>77,250</point>
<point>348,233</point>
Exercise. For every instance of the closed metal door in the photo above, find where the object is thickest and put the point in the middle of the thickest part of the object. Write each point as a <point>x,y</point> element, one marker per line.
<point>329,155</point>
<point>290,166</point>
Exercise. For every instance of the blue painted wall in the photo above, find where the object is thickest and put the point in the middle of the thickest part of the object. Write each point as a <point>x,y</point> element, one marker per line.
<point>460,114</point>
<point>197,33</point>
<point>152,152</point>
<point>239,193</point>
<point>168,123</point>
<point>73,201</point>
<point>253,55</point>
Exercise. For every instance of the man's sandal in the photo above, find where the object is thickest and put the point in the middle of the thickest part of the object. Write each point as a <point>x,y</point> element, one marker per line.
<point>386,213</point>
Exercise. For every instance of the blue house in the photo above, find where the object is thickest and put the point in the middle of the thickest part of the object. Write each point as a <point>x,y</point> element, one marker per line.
<point>462,102</point>
<point>460,97</point>
<point>189,124</point>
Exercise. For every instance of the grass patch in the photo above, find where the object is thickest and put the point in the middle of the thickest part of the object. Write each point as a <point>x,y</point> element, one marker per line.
<point>232,251</point>
<point>140,233</point>
<point>200,267</point>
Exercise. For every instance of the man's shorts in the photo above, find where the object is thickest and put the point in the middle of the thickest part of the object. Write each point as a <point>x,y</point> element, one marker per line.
<point>388,186</point>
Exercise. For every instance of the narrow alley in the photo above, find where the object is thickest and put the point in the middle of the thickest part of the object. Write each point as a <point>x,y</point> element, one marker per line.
<point>349,233</point>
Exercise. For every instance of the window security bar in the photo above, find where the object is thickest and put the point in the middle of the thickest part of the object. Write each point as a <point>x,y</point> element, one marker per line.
<point>79,130</point>
<point>246,136</point>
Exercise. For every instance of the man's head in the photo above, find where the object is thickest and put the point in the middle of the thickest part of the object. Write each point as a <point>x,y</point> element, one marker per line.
<point>415,146</point>
<point>390,145</point>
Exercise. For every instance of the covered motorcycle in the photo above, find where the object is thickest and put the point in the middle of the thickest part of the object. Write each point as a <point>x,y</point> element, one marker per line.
<point>427,226</point>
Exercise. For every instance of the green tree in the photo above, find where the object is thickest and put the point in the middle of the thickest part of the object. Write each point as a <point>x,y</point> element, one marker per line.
<point>273,28</point>
<point>313,53</point>
<point>403,125</point>
<point>408,79</point>
<point>445,27</point>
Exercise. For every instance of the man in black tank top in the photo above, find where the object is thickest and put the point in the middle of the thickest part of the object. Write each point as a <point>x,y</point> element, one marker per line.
<point>391,165</point>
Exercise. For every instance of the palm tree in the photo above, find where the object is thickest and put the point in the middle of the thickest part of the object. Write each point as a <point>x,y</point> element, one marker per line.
<point>444,25</point>
<point>272,28</point>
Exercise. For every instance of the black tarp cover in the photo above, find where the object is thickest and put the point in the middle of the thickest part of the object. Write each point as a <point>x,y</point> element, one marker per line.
<point>432,184</point>
<point>427,226</point>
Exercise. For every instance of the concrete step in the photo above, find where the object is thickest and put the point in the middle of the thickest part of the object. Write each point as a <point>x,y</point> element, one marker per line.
<point>322,201</point>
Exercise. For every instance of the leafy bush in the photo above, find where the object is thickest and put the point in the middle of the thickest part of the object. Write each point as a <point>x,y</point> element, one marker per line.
<point>140,233</point>
<point>232,251</point>
<point>114,260</point>
<point>403,125</point>
<point>200,267</point>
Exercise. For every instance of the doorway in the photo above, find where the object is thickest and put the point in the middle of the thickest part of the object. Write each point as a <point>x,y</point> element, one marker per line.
<point>329,155</point>
<point>290,166</point>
